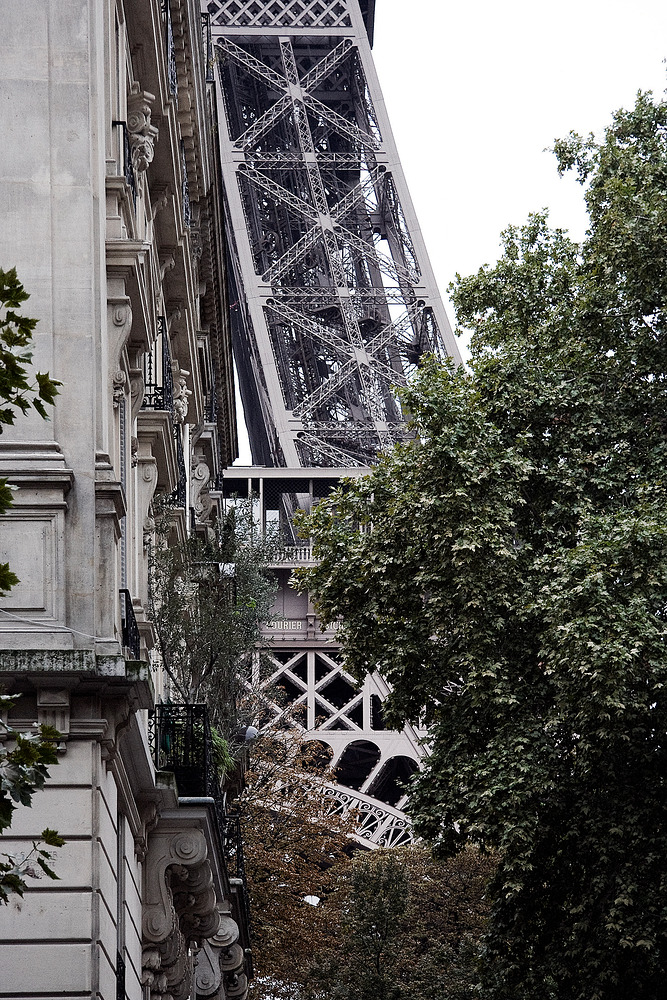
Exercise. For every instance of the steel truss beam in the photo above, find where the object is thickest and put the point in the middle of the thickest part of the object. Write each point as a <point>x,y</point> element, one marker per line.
<point>340,301</point>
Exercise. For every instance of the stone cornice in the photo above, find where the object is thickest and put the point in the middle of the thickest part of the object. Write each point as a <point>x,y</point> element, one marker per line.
<point>104,675</point>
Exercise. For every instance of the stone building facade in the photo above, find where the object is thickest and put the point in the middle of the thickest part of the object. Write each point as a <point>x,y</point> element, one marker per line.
<point>110,209</point>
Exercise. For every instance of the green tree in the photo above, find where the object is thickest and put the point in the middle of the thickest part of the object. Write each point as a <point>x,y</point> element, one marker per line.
<point>295,848</point>
<point>24,762</point>
<point>510,582</point>
<point>23,758</point>
<point>210,598</point>
<point>17,392</point>
<point>407,927</point>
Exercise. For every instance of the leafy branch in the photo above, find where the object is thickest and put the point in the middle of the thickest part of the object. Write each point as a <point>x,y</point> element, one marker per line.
<point>24,762</point>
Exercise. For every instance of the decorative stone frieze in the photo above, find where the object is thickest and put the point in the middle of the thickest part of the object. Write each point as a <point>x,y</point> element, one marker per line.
<point>142,134</point>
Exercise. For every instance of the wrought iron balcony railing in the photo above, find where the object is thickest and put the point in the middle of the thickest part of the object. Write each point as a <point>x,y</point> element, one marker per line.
<point>129,627</point>
<point>124,154</point>
<point>183,745</point>
<point>185,189</point>
<point>179,496</point>
<point>171,50</point>
<point>158,376</point>
<point>208,47</point>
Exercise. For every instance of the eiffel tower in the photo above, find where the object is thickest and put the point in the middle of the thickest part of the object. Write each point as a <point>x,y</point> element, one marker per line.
<point>333,304</point>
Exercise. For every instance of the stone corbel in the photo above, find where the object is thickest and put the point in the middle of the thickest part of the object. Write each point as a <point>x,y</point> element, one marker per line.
<point>201,499</point>
<point>175,314</point>
<point>179,908</point>
<point>137,389</point>
<point>161,198</point>
<point>141,133</point>
<point>119,315</point>
<point>236,986</point>
<point>168,263</point>
<point>219,955</point>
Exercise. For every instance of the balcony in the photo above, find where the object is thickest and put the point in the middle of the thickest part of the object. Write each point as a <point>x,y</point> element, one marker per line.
<point>293,555</point>
<point>183,744</point>
<point>179,496</point>
<point>129,628</point>
<point>171,50</point>
<point>158,375</point>
<point>123,155</point>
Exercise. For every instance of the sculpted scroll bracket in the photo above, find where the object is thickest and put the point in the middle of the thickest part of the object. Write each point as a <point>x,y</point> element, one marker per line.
<point>179,908</point>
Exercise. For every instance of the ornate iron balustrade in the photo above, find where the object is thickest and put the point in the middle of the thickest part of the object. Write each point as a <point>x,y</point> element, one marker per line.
<point>129,627</point>
<point>158,375</point>
<point>183,745</point>
<point>179,497</point>
<point>126,166</point>
<point>172,73</point>
<point>185,190</point>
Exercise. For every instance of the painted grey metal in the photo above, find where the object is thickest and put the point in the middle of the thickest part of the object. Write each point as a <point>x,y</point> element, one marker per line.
<point>333,305</point>
<point>334,300</point>
<point>299,675</point>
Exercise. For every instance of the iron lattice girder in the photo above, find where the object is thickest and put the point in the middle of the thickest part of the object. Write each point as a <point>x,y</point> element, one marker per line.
<point>314,185</point>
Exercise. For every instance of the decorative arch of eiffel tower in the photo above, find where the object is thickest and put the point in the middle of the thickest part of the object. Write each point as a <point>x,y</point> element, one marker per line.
<point>333,303</point>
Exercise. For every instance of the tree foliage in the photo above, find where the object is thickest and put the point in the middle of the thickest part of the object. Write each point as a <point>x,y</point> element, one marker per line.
<point>294,848</point>
<point>17,392</point>
<point>211,597</point>
<point>407,927</point>
<point>24,762</point>
<point>506,571</point>
<point>334,921</point>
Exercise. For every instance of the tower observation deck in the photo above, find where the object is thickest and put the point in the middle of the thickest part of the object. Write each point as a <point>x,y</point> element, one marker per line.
<point>333,303</point>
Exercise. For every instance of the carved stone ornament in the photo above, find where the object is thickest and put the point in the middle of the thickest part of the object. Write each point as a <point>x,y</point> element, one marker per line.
<point>202,503</point>
<point>141,133</point>
<point>236,986</point>
<point>148,532</point>
<point>119,381</point>
<point>181,392</point>
<point>179,910</point>
<point>221,959</point>
<point>137,389</point>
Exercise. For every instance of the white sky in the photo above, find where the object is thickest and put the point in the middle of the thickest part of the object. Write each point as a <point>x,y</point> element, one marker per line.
<point>477,90</point>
